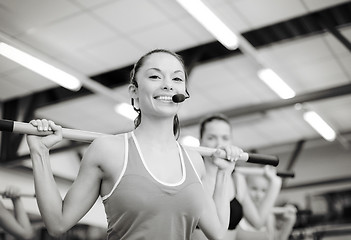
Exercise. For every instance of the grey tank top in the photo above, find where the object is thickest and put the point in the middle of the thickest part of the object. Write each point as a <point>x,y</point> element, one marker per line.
<point>142,207</point>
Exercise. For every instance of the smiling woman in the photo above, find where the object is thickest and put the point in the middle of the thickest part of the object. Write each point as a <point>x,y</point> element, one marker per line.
<point>168,77</point>
<point>151,186</point>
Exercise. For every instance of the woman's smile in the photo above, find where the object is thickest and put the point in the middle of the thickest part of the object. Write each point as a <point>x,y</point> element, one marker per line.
<point>164,98</point>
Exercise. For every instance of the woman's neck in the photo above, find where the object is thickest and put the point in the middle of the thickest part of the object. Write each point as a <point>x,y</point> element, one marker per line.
<point>156,130</point>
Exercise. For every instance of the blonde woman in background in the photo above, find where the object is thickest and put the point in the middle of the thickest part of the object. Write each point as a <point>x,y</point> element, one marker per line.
<point>18,223</point>
<point>258,186</point>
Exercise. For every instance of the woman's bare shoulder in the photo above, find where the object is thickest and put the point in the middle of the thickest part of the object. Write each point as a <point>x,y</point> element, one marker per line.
<point>105,147</point>
<point>107,142</point>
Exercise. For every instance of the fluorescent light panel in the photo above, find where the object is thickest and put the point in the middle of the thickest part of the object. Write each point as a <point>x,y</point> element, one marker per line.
<point>126,110</point>
<point>36,65</point>
<point>211,22</point>
<point>320,125</point>
<point>272,80</point>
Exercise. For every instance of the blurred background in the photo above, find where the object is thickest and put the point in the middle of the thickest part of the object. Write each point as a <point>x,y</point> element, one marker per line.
<point>303,44</point>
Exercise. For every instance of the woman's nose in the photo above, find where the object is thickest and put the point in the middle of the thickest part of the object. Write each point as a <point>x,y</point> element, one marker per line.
<point>167,84</point>
<point>220,143</point>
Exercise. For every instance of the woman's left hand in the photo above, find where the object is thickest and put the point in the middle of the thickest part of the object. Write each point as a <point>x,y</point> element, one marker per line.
<point>11,192</point>
<point>232,155</point>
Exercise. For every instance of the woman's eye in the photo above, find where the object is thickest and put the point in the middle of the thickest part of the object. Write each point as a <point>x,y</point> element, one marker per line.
<point>154,77</point>
<point>178,79</point>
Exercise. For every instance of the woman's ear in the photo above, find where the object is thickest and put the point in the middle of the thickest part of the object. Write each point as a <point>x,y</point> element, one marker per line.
<point>133,91</point>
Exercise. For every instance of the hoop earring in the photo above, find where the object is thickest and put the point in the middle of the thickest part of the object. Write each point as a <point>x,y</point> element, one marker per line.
<point>133,104</point>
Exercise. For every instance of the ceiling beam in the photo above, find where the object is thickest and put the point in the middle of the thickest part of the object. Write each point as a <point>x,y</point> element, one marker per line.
<point>263,107</point>
<point>297,151</point>
<point>302,26</point>
<point>293,159</point>
<point>326,22</point>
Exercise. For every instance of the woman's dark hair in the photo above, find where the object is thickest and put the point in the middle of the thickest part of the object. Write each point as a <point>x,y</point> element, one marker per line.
<point>220,117</point>
<point>133,73</point>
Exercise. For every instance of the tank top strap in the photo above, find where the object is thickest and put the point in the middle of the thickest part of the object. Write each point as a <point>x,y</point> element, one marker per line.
<point>135,159</point>
<point>126,149</point>
<point>187,159</point>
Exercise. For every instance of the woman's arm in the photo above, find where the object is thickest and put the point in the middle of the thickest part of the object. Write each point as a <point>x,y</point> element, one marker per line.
<point>271,230</point>
<point>286,222</point>
<point>215,219</point>
<point>258,217</point>
<point>60,215</point>
<point>18,225</point>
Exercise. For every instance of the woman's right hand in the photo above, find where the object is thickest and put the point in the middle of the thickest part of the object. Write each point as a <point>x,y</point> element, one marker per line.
<point>271,174</point>
<point>39,143</point>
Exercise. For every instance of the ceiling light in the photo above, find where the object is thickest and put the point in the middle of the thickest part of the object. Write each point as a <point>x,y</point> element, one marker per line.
<point>320,125</point>
<point>42,68</point>
<point>126,110</point>
<point>211,22</point>
<point>269,77</point>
